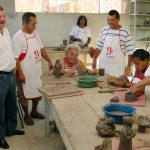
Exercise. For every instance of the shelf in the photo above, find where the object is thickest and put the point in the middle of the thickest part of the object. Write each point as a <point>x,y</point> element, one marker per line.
<point>141,1</point>
<point>140,15</point>
<point>143,41</point>
<point>140,21</point>
<point>145,28</point>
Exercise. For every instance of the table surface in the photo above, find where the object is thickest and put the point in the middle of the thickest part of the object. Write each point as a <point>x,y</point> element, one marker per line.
<point>76,117</point>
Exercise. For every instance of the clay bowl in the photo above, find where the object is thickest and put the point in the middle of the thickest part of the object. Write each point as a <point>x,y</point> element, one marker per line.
<point>117,111</point>
<point>87,81</point>
<point>130,97</point>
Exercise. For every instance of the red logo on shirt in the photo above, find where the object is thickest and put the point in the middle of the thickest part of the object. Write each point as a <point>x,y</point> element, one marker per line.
<point>109,51</point>
<point>36,54</point>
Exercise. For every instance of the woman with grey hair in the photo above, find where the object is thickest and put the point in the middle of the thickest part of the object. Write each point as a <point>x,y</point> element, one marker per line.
<point>70,63</point>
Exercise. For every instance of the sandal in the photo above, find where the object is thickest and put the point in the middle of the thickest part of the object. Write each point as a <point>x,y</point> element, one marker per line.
<point>28,120</point>
<point>37,115</point>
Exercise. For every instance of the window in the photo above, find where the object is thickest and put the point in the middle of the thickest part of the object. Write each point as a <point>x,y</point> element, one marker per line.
<point>70,6</point>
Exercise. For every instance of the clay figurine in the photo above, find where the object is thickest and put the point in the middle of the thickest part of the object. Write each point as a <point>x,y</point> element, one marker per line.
<point>106,127</point>
<point>106,145</point>
<point>101,71</point>
<point>130,97</point>
<point>57,68</point>
<point>115,99</point>
<point>143,122</point>
<point>126,134</point>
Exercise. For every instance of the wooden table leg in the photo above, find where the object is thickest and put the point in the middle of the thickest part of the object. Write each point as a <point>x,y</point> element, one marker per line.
<point>47,127</point>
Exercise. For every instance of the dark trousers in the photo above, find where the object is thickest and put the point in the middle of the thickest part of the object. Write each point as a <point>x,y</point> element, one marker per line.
<point>8,105</point>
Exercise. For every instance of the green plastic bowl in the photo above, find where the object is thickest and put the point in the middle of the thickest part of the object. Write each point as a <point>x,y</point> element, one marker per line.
<point>87,81</point>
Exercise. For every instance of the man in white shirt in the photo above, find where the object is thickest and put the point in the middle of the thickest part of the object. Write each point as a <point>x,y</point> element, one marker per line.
<point>113,44</point>
<point>28,50</point>
<point>8,110</point>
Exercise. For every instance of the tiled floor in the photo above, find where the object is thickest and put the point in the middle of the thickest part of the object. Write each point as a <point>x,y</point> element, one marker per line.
<point>34,138</point>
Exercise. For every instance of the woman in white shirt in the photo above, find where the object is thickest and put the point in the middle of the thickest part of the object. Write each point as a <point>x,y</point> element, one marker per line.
<point>80,34</point>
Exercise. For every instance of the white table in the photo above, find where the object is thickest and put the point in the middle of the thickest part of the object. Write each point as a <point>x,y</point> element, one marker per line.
<point>76,117</point>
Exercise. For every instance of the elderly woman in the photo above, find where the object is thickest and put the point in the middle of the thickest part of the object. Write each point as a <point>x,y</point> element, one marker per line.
<point>80,34</point>
<point>140,59</point>
<point>70,64</point>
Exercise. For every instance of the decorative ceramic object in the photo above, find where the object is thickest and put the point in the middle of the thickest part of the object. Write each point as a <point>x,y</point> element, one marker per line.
<point>142,122</point>
<point>101,71</point>
<point>106,127</point>
<point>106,145</point>
<point>57,68</point>
<point>130,97</point>
<point>126,135</point>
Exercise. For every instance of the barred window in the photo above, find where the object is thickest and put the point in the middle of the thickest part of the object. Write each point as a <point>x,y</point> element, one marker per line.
<point>71,6</point>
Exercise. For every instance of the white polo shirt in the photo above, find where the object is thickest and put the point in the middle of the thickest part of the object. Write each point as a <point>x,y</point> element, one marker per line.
<point>20,44</point>
<point>7,59</point>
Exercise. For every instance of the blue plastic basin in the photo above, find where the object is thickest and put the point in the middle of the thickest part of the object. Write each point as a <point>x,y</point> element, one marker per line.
<point>117,111</point>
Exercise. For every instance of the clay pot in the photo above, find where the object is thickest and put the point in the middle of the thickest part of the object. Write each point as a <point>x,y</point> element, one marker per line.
<point>101,71</point>
<point>141,128</point>
<point>130,97</point>
<point>65,42</point>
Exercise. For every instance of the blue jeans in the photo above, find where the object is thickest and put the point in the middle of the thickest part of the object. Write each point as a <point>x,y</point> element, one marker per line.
<point>8,104</point>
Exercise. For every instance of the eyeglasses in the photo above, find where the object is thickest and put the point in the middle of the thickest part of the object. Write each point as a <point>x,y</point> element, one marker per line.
<point>4,17</point>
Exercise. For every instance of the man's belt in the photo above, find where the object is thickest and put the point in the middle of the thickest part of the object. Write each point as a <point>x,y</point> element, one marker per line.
<point>5,72</point>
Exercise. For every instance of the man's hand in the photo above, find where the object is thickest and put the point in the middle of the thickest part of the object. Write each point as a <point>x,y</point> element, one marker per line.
<point>51,67</point>
<point>94,65</point>
<point>137,90</point>
<point>22,78</point>
<point>14,70</point>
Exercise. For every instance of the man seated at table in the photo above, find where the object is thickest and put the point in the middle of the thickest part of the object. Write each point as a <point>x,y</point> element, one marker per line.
<point>140,59</point>
<point>71,64</point>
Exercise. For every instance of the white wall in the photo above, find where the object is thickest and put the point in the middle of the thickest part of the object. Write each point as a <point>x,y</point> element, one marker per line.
<point>53,28</point>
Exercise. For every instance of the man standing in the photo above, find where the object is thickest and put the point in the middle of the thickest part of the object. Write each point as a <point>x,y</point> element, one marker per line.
<point>28,50</point>
<point>8,110</point>
<point>113,43</point>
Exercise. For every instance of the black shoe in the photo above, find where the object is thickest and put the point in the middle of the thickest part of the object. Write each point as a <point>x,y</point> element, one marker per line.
<point>18,132</point>
<point>37,115</point>
<point>3,144</point>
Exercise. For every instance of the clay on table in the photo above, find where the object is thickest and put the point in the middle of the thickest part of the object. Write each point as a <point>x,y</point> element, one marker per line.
<point>82,72</point>
<point>125,142</point>
<point>130,97</point>
<point>120,79</point>
<point>106,127</point>
<point>142,122</point>
<point>106,145</point>
<point>114,99</point>
<point>101,71</point>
